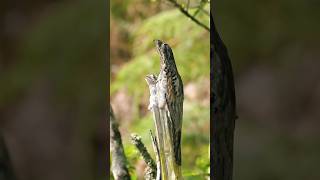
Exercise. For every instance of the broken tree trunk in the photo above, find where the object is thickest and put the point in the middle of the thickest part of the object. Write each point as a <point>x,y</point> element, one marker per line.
<point>223,108</point>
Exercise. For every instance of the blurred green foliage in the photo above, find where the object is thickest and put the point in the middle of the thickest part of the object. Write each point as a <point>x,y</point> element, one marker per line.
<point>189,42</point>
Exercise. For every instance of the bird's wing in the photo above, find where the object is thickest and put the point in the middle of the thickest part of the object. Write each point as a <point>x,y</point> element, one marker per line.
<point>174,121</point>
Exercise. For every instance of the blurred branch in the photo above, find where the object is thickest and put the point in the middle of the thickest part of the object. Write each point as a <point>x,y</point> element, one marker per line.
<point>205,11</point>
<point>119,160</point>
<point>200,8</point>
<point>185,12</point>
<point>151,170</point>
<point>188,4</point>
<point>156,150</point>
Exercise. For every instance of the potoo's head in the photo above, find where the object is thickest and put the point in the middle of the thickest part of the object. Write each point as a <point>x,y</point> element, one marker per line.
<point>165,52</point>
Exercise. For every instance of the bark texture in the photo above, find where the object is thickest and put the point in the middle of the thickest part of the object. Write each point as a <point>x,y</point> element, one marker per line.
<point>119,160</point>
<point>223,110</point>
<point>151,170</point>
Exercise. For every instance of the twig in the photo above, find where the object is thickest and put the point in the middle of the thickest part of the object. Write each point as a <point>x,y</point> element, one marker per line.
<point>188,4</point>
<point>205,11</point>
<point>177,5</point>
<point>151,170</point>
<point>156,150</point>
<point>119,160</point>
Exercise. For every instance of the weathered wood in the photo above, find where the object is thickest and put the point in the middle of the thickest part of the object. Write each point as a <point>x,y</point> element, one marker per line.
<point>153,106</point>
<point>162,136</point>
<point>157,153</point>
<point>119,160</point>
<point>223,108</point>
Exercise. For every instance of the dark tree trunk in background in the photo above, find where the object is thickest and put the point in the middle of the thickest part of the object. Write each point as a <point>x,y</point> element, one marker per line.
<point>222,112</point>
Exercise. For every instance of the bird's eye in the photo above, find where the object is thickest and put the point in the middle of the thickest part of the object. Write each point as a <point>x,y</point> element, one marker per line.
<point>166,47</point>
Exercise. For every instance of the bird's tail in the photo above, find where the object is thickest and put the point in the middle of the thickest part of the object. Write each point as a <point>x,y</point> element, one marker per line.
<point>177,147</point>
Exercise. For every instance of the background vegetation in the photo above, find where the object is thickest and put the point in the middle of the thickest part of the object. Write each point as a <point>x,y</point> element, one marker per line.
<point>52,88</point>
<point>134,26</point>
<point>274,50</point>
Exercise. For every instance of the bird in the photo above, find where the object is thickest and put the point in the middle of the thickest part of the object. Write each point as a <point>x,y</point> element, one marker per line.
<point>170,96</point>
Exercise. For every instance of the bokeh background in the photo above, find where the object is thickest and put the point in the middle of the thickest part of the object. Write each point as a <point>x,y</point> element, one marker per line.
<point>274,48</point>
<point>134,26</point>
<point>53,88</point>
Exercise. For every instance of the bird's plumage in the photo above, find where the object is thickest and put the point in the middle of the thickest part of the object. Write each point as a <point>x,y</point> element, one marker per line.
<point>170,95</point>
